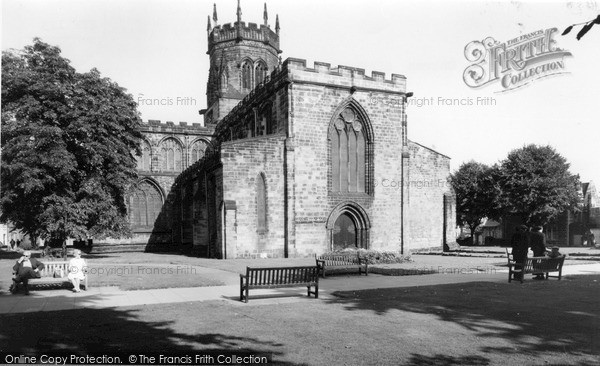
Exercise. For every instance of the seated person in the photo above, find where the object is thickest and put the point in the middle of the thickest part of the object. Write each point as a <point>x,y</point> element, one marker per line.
<point>554,253</point>
<point>77,270</point>
<point>25,269</point>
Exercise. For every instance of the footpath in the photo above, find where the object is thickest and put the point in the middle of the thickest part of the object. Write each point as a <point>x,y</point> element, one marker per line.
<point>108,297</point>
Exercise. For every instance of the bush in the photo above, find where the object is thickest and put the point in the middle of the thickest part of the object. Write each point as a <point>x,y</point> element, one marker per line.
<point>374,256</point>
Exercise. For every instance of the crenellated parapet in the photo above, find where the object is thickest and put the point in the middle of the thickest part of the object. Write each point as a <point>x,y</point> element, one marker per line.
<point>345,75</point>
<point>240,31</point>
<point>180,128</point>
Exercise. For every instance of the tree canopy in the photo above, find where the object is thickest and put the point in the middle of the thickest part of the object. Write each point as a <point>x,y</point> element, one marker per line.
<point>477,194</point>
<point>537,185</point>
<point>69,142</point>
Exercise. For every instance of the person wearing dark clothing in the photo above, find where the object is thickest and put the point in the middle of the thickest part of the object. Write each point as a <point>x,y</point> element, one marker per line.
<point>537,240</point>
<point>25,268</point>
<point>554,253</point>
<point>520,245</point>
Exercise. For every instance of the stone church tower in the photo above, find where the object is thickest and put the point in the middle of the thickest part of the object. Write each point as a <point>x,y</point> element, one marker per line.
<point>292,160</point>
<point>241,57</point>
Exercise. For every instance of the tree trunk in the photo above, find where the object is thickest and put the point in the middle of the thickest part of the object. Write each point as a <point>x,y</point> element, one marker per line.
<point>472,228</point>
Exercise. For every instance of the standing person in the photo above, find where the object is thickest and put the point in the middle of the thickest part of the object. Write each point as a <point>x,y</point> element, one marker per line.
<point>520,245</point>
<point>538,245</point>
<point>25,268</point>
<point>77,269</point>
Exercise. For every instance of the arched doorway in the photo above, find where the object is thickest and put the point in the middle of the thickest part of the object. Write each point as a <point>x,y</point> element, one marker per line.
<point>344,232</point>
<point>348,227</point>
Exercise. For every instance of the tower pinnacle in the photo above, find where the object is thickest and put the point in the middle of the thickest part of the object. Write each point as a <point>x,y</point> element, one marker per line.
<point>208,25</point>
<point>265,15</point>
<point>277,24</point>
<point>239,12</point>
<point>215,13</point>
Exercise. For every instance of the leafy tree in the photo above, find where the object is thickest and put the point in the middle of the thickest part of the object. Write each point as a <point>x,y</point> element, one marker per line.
<point>537,185</point>
<point>69,142</point>
<point>477,193</point>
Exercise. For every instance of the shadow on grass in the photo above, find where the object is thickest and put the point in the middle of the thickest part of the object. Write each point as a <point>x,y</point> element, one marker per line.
<point>123,331</point>
<point>536,317</point>
<point>421,360</point>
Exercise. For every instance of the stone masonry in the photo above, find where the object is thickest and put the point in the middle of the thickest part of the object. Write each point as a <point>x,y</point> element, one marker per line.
<point>296,161</point>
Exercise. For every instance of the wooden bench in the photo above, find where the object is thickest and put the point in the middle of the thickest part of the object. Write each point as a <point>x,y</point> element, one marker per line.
<point>276,277</point>
<point>47,278</point>
<point>536,265</point>
<point>341,262</point>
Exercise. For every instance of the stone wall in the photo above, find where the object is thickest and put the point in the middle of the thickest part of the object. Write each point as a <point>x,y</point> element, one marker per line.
<point>317,96</point>
<point>426,186</point>
<point>244,162</point>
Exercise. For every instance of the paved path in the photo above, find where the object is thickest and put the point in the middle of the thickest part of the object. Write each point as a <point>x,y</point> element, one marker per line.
<point>106,297</point>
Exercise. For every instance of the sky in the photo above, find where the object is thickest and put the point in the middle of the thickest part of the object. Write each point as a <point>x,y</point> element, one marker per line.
<point>156,49</point>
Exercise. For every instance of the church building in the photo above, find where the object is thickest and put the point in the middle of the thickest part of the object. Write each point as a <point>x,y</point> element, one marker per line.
<point>292,160</point>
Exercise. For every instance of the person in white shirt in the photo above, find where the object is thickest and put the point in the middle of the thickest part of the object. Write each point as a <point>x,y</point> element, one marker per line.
<point>77,270</point>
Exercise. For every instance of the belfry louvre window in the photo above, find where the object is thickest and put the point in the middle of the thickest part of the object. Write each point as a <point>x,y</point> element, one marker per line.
<point>348,153</point>
<point>246,75</point>
<point>260,73</point>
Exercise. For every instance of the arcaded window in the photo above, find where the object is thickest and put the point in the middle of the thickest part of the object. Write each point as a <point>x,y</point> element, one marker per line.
<point>145,206</point>
<point>144,161</point>
<point>348,153</point>
<point>171,155</point>
<point>261,204</point>
<point>246,75</point>
<point>197,151</point>
<point>260,73</point>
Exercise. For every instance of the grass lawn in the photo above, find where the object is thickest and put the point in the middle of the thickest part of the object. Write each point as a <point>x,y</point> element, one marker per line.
<point>477,323</point>
<point>134,271</point>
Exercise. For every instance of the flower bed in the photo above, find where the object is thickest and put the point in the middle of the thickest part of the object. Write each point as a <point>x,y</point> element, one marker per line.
<point>375,256</point>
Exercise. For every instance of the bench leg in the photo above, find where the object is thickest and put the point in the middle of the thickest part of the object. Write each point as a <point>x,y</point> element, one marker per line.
<point>242,290</point>
<point>315,292</point>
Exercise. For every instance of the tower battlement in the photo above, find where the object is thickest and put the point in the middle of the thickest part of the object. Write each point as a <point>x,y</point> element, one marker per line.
<point>240,31</point>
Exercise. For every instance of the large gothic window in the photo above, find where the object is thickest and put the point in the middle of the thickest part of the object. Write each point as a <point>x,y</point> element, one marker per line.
<point>246,75</point>
<point>144,161</point>
<point>197,151</point>
<point>261,204</point>
<point>145,206</point>
<point>348,153</point>
<point>260,73</point>
<point>171,155</point>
